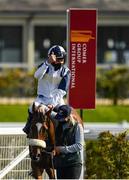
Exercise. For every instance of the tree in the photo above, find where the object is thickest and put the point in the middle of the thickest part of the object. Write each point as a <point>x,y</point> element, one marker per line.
<point>113,83</point>
<point>107,157</point>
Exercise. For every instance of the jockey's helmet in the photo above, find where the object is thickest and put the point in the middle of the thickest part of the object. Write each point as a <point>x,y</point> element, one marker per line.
<point>59,51</point>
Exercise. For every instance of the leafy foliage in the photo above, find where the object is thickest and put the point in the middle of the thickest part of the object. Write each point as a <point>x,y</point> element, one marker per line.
<point>17,83</point>
<point>108,157</point>
<point>113,83</point>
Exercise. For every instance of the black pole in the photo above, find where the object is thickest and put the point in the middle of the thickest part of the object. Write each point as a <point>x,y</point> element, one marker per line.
<point>81,113</point>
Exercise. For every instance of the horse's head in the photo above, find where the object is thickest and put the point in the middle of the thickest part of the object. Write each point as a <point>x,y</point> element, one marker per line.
<point>41,130</point>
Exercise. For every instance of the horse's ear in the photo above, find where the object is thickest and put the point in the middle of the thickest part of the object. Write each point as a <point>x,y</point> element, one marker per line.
<point>33,107</point>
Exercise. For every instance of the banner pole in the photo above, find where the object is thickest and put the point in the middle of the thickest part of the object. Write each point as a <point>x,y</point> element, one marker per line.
<point>81,113</point>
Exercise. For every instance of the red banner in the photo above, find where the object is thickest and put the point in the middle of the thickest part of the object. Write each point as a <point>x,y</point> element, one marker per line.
<point>82,57</point>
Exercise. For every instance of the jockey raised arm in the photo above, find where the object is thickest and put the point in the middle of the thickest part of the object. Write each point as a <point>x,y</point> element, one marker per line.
<point>53,81</point>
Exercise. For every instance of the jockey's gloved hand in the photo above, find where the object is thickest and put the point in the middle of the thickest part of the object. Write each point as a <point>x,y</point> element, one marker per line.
<point>43,109</point>
<point>50,106</point>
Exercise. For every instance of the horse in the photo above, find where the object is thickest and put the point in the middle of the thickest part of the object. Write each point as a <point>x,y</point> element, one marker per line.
<point>41,143</point>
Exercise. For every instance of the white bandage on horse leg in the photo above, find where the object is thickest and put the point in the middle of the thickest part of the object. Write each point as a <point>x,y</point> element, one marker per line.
<point>37,142</point>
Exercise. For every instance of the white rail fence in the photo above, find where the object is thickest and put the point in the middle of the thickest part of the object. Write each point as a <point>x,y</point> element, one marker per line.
<point>14,158</point>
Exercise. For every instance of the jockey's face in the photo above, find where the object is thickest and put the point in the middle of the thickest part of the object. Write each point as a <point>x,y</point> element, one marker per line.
<point>54,60</point>
<point>59,61</point>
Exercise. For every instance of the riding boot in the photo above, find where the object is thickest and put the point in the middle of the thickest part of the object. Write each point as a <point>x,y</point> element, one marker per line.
<point>26,129</point>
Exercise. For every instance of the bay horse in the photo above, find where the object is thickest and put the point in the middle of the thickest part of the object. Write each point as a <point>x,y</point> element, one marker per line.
<point>41,143</point>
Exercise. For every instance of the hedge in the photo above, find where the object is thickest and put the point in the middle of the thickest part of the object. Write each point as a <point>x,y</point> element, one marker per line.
<point>107,157</point>
<point>112,83</point>
<point>17,83</point>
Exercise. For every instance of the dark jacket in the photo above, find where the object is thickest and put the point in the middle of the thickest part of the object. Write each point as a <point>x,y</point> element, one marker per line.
<point>66,137</point>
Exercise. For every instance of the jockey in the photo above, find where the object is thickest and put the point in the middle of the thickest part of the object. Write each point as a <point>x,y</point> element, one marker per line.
<point>53,81</point>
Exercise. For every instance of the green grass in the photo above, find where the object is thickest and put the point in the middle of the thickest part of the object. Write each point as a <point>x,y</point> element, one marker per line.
<point>13,113</point>
<point>18,113</point>
<point>107,114</point>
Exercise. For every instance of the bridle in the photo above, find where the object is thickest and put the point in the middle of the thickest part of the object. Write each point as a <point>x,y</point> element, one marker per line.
<point>37,143</point>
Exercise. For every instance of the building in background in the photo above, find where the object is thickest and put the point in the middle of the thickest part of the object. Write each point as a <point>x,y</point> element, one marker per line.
<point>29,27</point>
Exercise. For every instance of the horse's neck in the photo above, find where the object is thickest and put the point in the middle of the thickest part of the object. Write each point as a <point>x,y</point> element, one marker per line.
<point>51,131</point>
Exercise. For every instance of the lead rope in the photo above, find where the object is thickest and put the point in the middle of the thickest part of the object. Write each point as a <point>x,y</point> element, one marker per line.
<point>53,164</point>
<point>51,154</point>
